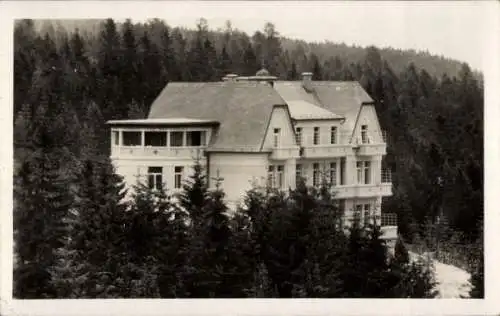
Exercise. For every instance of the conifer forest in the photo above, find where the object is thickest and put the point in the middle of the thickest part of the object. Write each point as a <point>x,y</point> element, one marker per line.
<point>76,237</point>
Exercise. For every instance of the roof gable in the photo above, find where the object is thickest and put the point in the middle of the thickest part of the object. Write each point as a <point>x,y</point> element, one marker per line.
<point>343,98</point>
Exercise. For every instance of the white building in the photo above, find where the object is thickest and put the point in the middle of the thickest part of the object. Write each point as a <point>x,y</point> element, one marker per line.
<point>257,130</point>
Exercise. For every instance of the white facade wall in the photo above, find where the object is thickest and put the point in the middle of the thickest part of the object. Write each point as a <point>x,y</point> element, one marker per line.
<point>134,170</point>
<point>240,171</point>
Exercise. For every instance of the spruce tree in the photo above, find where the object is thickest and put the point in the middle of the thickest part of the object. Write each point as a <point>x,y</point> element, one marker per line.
<point>24,60</point>
<point>195,194</point>
<point>42,198</point>
<point>131,63</point>
<point>97,235</point>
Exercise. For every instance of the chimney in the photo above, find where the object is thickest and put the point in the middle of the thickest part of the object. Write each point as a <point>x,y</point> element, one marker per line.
<point>306,80</point>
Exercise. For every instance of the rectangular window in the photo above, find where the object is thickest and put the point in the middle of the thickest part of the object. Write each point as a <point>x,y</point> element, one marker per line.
<point>116,138</point>
<point>367,172</point>
<point>155,178</point>
<point>358,211</point>
<point>176,139</point>
<point>158,139</point>
<point>270,176</point>
<point>342,171</point>
<point>333,135</point>
<point>178,175</point>
<point>359,171</point>
<point>298,173</point>
<point>196,138</point>
<point>132,139</point>
<point>279,177</point>
<point>342,205</point>
<point>333,174</point>
<point>363,172</point>
<point>298,135</point>
<point>364,134</point>
<point>366,214</point>
<point>316,179</point>
<point>276,137</point>
<point>275,176</point>
<point>316,136</point>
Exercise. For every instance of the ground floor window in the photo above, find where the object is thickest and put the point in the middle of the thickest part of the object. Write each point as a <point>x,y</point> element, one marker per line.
<point>298,174</point>
<point>178,174</point>
<point>155,178</point>
<point>275,176</point>
<point>367,216</point>
<point>316,174</point>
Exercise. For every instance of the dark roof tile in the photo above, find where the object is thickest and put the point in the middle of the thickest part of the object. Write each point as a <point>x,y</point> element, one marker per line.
<point>242,108</point>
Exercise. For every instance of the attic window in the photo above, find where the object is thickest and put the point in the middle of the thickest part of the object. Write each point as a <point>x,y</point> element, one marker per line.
<point>276,138</point>
<point>364,134</point>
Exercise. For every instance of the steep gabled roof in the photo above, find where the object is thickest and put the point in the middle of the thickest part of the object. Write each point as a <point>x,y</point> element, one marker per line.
<point>343,98</point>
<point>243,110</point>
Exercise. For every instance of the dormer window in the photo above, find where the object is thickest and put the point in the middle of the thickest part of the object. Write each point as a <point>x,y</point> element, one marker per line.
<point>364,134</point>
<point>276,137</point>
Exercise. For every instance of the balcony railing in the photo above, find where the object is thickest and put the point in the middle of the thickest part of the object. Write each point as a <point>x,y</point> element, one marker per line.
<point>283,153</point>
<point>389,219</point>
<point>153,151</point>
<point>386,176</point>
<point>371,149</point>
<point>389,226</point>
<point>325,151</point>
<point>362,190</point>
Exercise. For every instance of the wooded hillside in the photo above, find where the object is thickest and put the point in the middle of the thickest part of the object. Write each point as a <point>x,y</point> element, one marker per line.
<point>67,84</point>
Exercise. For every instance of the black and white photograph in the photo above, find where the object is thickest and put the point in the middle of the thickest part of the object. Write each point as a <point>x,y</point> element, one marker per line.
<point>247,150</point>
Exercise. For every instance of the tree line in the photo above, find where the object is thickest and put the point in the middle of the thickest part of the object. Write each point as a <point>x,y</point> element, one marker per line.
<point>67,84</point>
<point>93,243</point>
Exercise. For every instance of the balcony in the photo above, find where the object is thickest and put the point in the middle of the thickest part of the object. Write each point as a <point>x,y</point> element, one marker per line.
<point>370,149</point>
<point>386,176</point>
<point>284,153</point>
<point>325,151</point>
<point>389,226</point>
<point>371,145</point>
<point>128,152</point>
<point>362,190</point>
